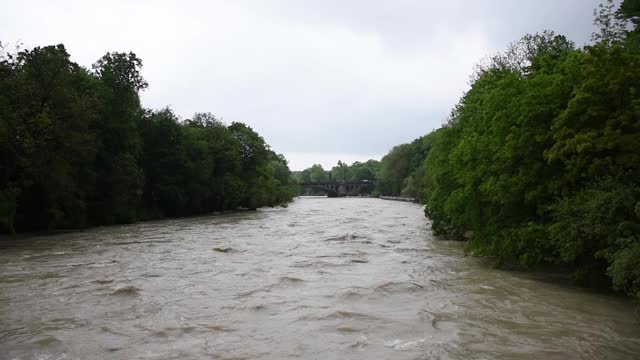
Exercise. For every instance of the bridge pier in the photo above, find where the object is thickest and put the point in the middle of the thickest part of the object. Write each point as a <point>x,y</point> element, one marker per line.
<point>336,190</point>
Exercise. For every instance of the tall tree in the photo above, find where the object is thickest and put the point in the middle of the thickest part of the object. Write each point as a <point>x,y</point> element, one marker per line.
<point>118,177</point>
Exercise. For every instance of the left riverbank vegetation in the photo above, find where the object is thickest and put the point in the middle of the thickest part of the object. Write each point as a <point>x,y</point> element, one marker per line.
<point>539,162</point>
<point>79,150</point>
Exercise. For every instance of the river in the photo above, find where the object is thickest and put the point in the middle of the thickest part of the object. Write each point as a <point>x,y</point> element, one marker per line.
<point>350,278</point>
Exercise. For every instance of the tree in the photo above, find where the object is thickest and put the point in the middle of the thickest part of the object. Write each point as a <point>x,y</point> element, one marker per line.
<point>163,163</point>
<point>78,149</point>
<point>48,113</point>
<point>318,174</point>
<point>611,26</point>
<point>118,177</point>
<point>630,11</point>
<point>540,160</point>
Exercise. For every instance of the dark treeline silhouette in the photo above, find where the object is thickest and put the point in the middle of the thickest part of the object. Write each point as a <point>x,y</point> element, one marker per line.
<point>79,150</point>
<point>539,162</point>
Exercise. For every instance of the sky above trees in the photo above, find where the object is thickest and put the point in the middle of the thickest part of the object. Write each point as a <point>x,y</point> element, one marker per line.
<point>321,81</point>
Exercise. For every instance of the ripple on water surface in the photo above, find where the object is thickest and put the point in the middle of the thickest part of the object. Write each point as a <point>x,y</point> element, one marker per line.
<point>323,278</point>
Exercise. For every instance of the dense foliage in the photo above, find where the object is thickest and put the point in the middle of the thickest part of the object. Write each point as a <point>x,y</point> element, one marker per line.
<point>540,160</point>
<point>78,149</point>
<point>402,169</point>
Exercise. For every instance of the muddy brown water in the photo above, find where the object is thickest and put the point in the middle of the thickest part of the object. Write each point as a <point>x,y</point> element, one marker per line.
<point>321,279</point>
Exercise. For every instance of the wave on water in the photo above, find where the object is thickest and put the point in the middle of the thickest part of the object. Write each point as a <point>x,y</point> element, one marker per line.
<point>342,314</point>
<point>394,287</point>
<point>47,340</point>
<point>359,261</point>
<point>39,256</point>
<point>347,328</point>
<point>344,237</point>
<point>361,343</point>
<point>352,295</point>
<point>112,331</point>
<point>258,307</point>
<point>434,317</point>
<point>215,327</point>
<point>404,345</point>
<point>412,249</point>
<point>138,242</point>
<point>283,282</point>
<point>103,281</point>
<point>290,280</point>
<point>189,329</point>
<point>11,280</point>
<point>129,290</point>
<point>318,264</point>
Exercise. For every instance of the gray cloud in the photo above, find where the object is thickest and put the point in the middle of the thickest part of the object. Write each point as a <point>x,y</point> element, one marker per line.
<point>318,80</point>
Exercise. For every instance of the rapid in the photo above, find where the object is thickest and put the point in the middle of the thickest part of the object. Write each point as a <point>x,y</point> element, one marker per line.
<point>350,278</point>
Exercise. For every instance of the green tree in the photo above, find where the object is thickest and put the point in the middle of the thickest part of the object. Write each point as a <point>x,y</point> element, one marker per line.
<point>163,163</point>
<point>540,161</point>
<point>78,149</point>
<point>318,174</point>
<point>119,180</point>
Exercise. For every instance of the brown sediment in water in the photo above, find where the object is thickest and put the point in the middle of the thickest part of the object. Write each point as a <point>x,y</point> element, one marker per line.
<point>323,278</point>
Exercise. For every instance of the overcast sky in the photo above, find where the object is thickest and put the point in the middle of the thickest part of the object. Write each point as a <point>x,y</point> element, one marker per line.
<point>321,81</point>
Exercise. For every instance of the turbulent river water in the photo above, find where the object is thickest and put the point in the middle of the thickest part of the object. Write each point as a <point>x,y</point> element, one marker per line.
<point>322,279</point>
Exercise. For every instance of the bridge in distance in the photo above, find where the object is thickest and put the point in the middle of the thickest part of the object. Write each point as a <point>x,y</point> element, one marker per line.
<point>340,189</point>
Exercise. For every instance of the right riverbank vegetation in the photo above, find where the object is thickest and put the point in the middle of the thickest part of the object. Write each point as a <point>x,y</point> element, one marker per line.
<point>79,150</point>
<point>539,162</point>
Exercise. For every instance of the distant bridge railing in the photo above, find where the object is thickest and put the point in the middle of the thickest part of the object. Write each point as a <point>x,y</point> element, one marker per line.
<point>337,188</point>
<point>309,183</point>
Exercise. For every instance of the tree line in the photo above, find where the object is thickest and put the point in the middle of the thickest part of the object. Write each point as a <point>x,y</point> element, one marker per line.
<point>342,172</point>
<point>539,162</point>
<point>399,173</point>
<point>78,149</point>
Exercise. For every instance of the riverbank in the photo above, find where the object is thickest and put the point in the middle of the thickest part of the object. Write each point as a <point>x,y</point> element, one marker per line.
<point>399,198</point>
<point>5,237</point>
